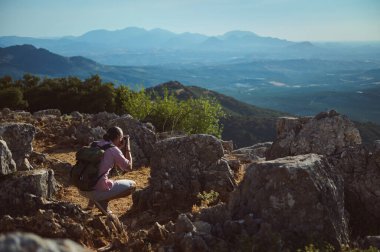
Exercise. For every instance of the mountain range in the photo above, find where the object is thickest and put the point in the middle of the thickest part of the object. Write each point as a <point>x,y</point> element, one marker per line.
<point>139,47</point>
<point>245,124</point>
<point>297,86</point>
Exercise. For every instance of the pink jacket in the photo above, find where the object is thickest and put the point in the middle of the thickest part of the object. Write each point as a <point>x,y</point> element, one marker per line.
<point>111,157</point>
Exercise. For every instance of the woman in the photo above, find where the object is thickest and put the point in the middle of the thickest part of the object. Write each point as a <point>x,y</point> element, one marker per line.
<point>106,189</point>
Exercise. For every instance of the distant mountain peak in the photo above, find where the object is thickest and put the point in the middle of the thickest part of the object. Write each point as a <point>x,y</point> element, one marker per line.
<point>171,85</point>
<point>239,34</point>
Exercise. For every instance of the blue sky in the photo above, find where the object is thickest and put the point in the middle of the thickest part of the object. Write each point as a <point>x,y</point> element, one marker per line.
<point>298,20</point>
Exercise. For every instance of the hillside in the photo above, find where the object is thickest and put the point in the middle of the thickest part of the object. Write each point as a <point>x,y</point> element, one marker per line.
<point>247,124</point>
<point>231,106</point>
<point>18,60</point>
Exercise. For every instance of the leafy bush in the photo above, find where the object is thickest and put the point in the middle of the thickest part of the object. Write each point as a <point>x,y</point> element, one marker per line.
<point>12,98</point>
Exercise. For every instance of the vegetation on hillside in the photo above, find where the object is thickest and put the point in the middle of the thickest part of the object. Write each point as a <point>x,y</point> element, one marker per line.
<point>166,113</point>
<point>169,107</point>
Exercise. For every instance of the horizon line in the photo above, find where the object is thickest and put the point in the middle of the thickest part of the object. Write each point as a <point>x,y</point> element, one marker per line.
<point>189,32</point>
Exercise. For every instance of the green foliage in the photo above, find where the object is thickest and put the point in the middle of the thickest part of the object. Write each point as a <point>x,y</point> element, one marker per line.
<point>192,116</point>
<point>166,113</point>
<point>137,104</point>
<point>12,98</point>
<point>208,198</point>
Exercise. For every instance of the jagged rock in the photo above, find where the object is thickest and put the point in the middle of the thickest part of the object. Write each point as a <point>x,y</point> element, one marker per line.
<point>252,153</point>
<point>142,139</point>
<point>103,119</point>
<point>183,224</point>
<point>234,164</point>
<point>37,182</point>
<point>47,112</point>
<point>325,134</point>
<point>86,134</point>
<point>361,173</point>
<point>5,112</point>
<point>15,242</point>
<point>19,137</point>
<point>228,146</point>
<point>57,219</point>
<point>215,214</point>
<point>76,115</point>
<point>7,164</point>
<point>300,197</point>
<point>157,233</point>
<point>181,168</point>
<point>202,227</point>
<point>191,242</point>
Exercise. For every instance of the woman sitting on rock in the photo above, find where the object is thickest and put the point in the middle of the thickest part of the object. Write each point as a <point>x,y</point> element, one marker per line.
<point>107,189</point>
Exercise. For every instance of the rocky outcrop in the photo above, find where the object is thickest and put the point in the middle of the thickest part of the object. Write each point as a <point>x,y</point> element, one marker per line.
<point>252,153</point>
<point>325,134</point>
<point>28,242</point>
<point>54,219</point>
<point>47,112</point>
<point>37,182</point>
<point>361,172</point>
<point>183,167</point>
<point>335,137</point>
<point>19,137</point>
<point>85,134</point>
<point>300,198</point>
<point>103,119</point>
<point>7,165</point>
<point>142,139</point>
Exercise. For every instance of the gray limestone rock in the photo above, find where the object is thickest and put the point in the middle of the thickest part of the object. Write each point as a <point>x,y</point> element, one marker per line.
<point>182,167</point>
<point>325,134</point>
<point>14,186</point>
<point>47,112</point>
<point>7,164</point>
<point>19,137</point>
<point>28,242</point>
<point>300,197</point>
<point>252,153</point>
<point>361,172</point>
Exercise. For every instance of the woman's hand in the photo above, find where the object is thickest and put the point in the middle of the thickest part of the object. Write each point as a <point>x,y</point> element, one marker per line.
<point>127,143</point>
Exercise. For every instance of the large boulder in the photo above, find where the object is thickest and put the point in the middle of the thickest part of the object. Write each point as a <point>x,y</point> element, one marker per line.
<point>325,134</point>
<point>14,186</point>
<point>7,165</point>
<point>300,198</point>
<point>28,242</point>
<point>19,137</point>
<point>361,172</point>
<point>181,168</point>
<point>142,139</point>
